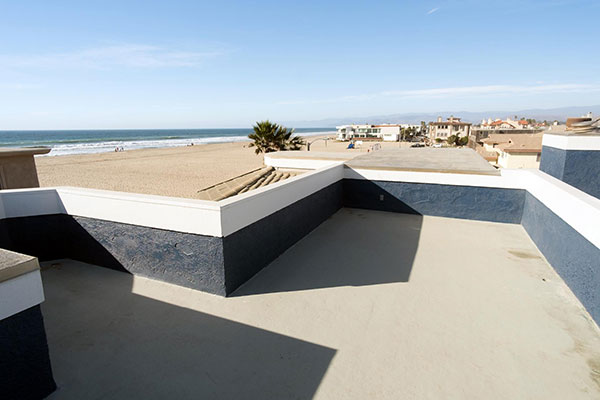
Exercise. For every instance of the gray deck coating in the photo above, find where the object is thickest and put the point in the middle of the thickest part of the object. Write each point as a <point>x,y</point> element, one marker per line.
<point>463,161</point>
<point>369,305</point>
<point>314,155</point>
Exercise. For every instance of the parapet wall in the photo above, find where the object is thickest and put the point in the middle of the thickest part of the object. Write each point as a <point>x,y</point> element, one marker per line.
<point>210,246</point>
<point>574,159</point>
<point>217,246</point>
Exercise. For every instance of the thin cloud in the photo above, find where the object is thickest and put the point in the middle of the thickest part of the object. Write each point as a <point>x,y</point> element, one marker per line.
<point>465,91</point>
<point>432,10</point>
<point>129,55</point>
<point>19,86</point>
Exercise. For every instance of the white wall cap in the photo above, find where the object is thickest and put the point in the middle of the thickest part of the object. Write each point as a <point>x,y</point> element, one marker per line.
<point>140,198</point>
<point>182,215</point>
<point>242,210</point>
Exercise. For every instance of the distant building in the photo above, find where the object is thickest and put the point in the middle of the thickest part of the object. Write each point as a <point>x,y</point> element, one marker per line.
<point>514,151</point>
<point>385,132</point>
<point>452,126</point>
<point>507,124</point>
<point>496,126</point>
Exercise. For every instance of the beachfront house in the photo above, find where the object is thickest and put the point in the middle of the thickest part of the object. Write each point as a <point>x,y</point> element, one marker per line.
<point>452,126</point>
<point>385,132</point>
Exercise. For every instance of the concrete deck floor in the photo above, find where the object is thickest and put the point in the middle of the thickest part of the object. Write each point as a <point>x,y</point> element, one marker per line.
<point>450,160</point>
<point>370,305</point>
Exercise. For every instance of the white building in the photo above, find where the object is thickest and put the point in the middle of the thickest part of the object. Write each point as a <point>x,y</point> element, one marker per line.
<point>385,132</point>
<point>452,126</point>
<point>506,124</point>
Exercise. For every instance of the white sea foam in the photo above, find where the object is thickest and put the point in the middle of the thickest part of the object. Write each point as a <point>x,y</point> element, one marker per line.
<point>110,146</point>
<point>104,147</point>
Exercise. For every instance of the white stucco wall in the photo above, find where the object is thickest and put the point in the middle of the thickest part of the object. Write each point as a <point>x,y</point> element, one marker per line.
<point>519,160</point>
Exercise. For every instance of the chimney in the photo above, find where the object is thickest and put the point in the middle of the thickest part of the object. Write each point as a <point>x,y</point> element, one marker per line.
<point>439,119</point>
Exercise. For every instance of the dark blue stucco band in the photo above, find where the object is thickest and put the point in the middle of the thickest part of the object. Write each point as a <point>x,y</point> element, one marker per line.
<point>184,259</point>
<point>573,257</point>
<point>553,161</point>
<point>25,371</point>
<point>578,168</point>
<point>252,248</point>
<point>467,202</point>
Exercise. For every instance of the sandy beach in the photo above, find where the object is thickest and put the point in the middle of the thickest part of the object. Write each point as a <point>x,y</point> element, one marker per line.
<point>175,171</point>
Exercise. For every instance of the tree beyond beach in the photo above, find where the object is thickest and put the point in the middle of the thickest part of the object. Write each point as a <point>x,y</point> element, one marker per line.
<point>268,137</point>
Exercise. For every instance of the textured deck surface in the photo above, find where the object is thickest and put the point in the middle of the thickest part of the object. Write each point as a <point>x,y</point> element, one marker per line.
<point>15,264</point>
<point>462,161</point>
<point>370,305</point>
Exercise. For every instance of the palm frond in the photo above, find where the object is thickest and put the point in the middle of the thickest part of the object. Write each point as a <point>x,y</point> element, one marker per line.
<point>268,137</point>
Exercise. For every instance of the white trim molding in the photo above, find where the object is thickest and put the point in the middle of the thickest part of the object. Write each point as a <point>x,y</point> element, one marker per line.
<point>174,214</point>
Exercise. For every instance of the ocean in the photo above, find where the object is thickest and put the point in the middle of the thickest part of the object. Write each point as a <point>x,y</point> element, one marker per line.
<point>100,141</point>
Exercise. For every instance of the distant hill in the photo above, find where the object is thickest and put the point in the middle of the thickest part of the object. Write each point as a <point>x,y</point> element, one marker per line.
<point>550,114</point>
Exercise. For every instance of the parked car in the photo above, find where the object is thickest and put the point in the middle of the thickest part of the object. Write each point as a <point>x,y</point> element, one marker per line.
<point>437,145</point>
<point>417,145</point>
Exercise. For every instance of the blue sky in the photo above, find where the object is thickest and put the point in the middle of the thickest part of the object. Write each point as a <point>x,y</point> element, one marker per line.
<point>194,64</point>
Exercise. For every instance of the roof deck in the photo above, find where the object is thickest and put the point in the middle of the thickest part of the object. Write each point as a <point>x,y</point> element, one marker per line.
<point>458,161</point>
<point>368,305</point>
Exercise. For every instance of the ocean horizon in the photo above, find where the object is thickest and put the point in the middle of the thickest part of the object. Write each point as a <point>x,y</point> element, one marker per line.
<point>69,142</point>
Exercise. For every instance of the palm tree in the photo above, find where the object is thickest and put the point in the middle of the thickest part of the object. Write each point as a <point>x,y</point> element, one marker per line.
<point>268,137</point>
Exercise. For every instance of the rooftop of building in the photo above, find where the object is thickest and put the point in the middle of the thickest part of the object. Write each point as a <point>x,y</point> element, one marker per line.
<point>445,160</point>
<point>458,122</point>
<point>519,143</point>
<point>369,305</point>
<point>487,155</point>
<point>563,130</point>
